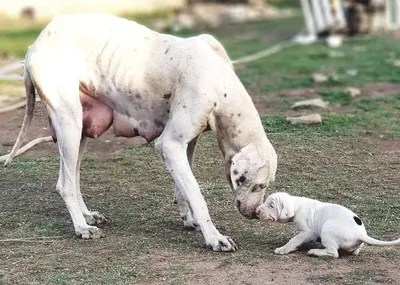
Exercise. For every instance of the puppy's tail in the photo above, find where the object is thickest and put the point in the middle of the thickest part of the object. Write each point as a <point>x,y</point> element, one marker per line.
<point>30,106</point>
<point>371,241</point>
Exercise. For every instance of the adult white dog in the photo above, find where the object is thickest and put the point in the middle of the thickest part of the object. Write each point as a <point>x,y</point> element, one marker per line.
<point>95,71</point>
<point>335,225</point>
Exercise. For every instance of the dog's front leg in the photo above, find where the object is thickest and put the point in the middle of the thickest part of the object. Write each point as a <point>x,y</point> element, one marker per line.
<point>184,125</point>
<point>295,242</point>
<point>174,154</point>
<point>184,210</point>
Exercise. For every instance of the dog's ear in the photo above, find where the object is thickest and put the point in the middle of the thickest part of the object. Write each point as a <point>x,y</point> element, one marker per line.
<point>244,165</point>
<point>287,208</point>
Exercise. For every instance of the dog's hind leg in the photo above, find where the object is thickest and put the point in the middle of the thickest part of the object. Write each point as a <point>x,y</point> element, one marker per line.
<point>330,250</point>
<point>357,250</point>
<point>185,211</point>
<point>65,111</point>
<point>92,218</point>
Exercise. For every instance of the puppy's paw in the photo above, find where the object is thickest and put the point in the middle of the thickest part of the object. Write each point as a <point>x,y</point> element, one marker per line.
<point>281,250</point>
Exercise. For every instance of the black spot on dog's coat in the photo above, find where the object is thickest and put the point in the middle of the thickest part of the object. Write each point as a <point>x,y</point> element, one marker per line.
<point>235,172</point>
<point>357,220</point>
<point>167,96</point>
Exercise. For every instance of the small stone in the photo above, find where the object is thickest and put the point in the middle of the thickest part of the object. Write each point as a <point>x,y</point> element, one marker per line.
<point>310,103</point>
<point>307,119</point>
<point>351,72</point>
<point>335,77</point>
<point>396,63</point>
<point>353,92</point>
<point>334,41</point>
<point>319,77</point>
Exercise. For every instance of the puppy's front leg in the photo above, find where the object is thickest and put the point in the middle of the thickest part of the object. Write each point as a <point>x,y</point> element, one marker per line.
<point>295,242</point>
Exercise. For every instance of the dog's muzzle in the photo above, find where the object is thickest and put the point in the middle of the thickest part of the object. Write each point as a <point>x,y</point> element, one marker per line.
<point>250,217</point>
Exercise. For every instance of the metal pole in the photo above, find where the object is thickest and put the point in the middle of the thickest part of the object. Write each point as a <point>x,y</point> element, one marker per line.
<point>327,12</point>
<point>308,17</point>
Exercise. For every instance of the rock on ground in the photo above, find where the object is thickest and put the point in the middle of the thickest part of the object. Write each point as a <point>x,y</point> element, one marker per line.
<point>310,103</point>
<point>319,77</point>
<point>307,119</point>
<point>353,92</point>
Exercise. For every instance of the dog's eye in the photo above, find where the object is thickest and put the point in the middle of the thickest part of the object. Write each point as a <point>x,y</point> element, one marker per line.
<point>255,188</point>
<point>271,205</point>
<point>262,186</point>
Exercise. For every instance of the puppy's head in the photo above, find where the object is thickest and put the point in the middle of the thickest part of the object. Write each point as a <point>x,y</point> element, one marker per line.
<point>251,171</point>
<point>278,207</point>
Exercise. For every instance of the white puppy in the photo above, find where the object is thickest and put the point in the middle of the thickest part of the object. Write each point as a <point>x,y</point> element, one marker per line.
<point>335,225</point>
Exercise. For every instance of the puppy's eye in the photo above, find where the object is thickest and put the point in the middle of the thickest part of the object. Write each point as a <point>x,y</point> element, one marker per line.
<point>262,186</point>
<point>255,188</point>
<point>271,205</point>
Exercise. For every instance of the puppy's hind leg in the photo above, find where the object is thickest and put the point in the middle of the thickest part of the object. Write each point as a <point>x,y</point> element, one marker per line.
<point>357,250</point>
<point>330,250</point>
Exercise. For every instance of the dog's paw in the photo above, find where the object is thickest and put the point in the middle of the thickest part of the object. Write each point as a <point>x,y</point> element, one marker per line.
<point>95,219</point>
<point>88,232</point>
<point>221,243</point>
<point>281,250</point>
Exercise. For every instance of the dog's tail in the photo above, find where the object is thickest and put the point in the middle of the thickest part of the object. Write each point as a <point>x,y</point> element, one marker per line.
<point>30,106</point>
<point>371,241</point>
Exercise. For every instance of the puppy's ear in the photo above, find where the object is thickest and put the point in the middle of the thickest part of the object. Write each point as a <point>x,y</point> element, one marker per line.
<point>245,165</point>
<point>287,208</point>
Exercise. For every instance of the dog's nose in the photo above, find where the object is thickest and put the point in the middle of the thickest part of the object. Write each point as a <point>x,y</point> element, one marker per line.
<point>255,215</point>
<point>238,204</point>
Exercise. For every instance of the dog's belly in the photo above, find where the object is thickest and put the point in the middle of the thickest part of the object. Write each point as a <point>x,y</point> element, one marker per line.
<point>131,115</point>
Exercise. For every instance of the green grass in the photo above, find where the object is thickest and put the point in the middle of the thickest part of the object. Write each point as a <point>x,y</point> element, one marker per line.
<point>15,42</point>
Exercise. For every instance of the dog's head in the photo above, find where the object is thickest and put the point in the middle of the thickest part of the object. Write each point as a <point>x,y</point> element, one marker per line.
<point>278,207</point>
<point>251,171</point>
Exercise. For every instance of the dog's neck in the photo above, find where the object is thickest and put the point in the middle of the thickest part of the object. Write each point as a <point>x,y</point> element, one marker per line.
<point>302,204</point>
<point>237,125</point>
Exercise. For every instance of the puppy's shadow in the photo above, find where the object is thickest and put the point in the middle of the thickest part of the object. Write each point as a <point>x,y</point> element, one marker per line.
<point>317,244</point>
<point>310,245</point>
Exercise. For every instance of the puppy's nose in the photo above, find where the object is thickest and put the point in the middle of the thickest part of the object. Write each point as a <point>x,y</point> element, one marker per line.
<point>238,204</point>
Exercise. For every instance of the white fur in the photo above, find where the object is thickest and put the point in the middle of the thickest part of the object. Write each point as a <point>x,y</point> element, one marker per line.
<point>115,58</point>
<point>335,225</point>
